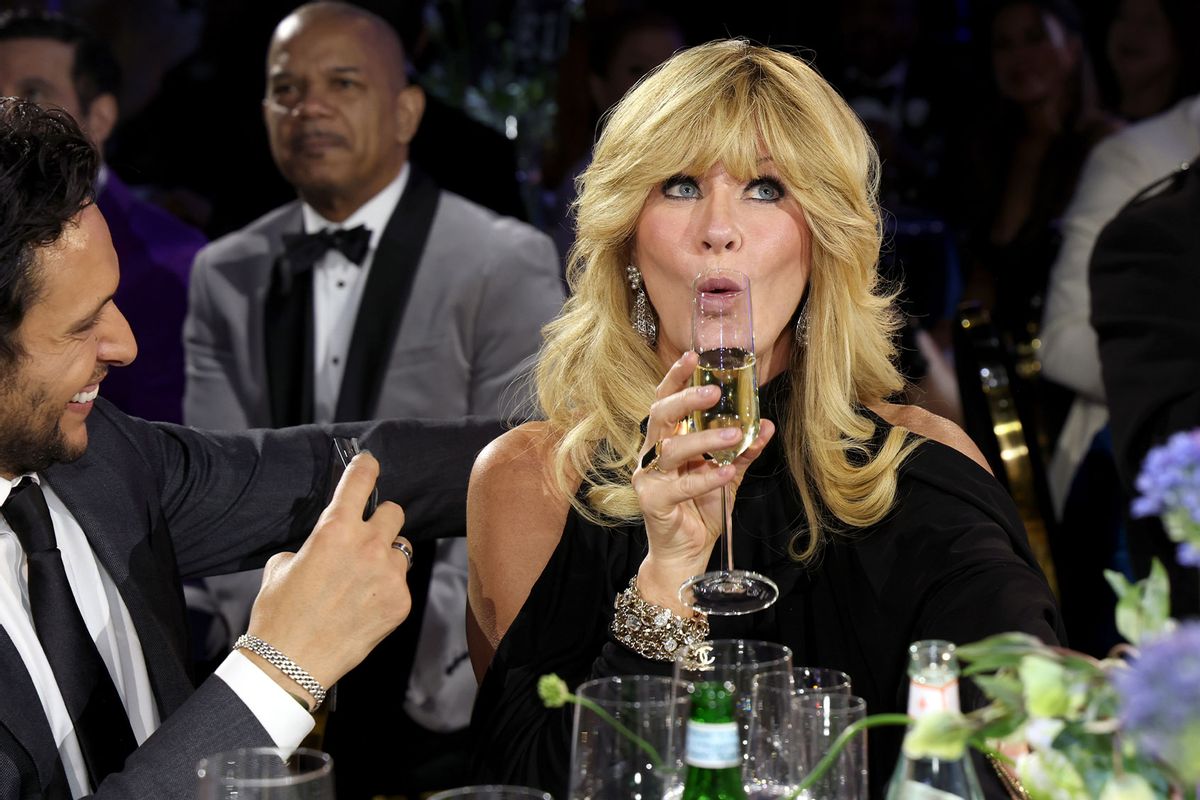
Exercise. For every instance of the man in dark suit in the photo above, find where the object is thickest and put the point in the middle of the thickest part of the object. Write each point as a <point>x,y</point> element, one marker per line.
<point>101,515</point>
<point>51,60</point>
<point>1145,286</point>
<point>375,294</point>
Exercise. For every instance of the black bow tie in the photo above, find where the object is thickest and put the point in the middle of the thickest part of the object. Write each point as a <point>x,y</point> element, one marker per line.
<point>301,251</point>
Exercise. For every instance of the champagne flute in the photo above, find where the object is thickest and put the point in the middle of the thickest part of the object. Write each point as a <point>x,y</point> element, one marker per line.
<point>723,337</point>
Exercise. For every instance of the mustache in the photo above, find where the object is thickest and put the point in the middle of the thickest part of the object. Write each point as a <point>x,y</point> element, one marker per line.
<point>304,136</point>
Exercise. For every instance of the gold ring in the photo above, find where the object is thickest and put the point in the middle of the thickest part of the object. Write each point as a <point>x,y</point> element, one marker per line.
<point>402,546</point>
<point>650,459</point>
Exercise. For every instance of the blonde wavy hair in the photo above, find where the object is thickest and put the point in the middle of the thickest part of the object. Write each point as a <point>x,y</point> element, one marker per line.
<point>730,102</point>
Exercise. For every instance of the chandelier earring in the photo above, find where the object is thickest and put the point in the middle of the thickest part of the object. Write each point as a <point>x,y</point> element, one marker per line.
<point>643,318</point>
<point>802,326</point>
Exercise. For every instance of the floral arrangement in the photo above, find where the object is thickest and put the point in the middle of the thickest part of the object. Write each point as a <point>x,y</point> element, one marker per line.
<point>1126,727</point>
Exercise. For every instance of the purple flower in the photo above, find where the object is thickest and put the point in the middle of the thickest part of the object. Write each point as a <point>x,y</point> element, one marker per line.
<point>1188,555</point>
<point>1170,477</point>
<point>1159,694</point>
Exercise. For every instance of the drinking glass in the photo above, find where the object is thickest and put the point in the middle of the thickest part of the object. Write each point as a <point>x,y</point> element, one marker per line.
<point>723,337</point>
<point>492,792</point>
<point>643,760</point>
<point>735,663</point>
<point>791,733</point>
<point>819,720</point>
<point>772,755</point>
<point>802,680</point>
<point>266,773</point>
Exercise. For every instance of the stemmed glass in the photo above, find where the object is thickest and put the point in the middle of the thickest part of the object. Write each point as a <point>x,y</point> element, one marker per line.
<point>723,337</point>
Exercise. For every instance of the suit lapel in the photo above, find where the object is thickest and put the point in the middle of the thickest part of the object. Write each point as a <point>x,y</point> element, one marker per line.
<point>288,339</point>
<point>131,541</point>
<point>21,713</point>
<point>385,298</point>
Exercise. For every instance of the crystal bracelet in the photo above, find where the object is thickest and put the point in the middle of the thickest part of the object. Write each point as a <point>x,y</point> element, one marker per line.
<point>652,631</point>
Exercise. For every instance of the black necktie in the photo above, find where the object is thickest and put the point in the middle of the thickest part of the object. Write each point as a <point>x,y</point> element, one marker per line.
<point>302,250</point>
<point>101,724</point>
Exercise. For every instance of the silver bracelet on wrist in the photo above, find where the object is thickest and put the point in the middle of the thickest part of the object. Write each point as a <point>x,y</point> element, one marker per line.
<point>655,632</point>
<point>284,664</point>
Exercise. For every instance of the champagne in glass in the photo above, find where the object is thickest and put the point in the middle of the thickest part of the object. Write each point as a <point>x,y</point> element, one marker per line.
<point>731,369</point>
<point>723,337</point>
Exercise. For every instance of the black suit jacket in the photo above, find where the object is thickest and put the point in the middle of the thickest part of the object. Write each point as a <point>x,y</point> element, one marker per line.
<point>1145,288</point>
<point>159,503</point>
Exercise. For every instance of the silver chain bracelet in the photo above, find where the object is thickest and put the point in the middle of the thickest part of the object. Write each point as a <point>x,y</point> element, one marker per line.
<point>283,664</point>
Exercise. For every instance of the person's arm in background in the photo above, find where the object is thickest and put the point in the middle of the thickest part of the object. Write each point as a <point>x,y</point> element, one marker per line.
<point>1070,355</point>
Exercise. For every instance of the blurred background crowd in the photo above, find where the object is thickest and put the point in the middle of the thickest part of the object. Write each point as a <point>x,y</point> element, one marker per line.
<point>1003,126</point>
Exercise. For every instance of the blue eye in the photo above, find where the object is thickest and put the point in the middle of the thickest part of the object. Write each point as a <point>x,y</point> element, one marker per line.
<point>681,186</point>
<point>767,189</point>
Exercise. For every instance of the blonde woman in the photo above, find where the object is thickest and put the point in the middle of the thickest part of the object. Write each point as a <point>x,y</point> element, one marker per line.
<point>879,523</point>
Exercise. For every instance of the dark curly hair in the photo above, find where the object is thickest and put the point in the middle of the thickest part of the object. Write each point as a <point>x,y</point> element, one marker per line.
<point>47,176</point>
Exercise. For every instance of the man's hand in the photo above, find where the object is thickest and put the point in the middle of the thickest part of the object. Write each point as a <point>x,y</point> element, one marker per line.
<point>331,603</point>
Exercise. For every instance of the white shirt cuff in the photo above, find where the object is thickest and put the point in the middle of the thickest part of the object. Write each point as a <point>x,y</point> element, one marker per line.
<point>285,721</point>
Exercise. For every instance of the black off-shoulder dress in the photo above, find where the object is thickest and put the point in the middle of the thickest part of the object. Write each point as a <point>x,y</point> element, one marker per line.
<point>951,561</point>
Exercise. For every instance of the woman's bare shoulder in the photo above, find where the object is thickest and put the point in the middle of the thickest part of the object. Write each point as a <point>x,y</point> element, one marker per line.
<point>515,519</point>
<point>516,453</point>
<point>931,426</point>
<point>512,475</point>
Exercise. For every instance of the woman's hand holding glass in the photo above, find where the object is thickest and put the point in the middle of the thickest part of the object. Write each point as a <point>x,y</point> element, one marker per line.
<point>680,491</point>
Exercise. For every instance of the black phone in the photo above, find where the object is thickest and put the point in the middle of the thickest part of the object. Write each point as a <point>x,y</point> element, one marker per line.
<point>344,451</point>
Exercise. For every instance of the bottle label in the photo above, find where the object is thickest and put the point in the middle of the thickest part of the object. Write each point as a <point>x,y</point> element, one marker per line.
<point>925,697</point>
<point>713,745</point>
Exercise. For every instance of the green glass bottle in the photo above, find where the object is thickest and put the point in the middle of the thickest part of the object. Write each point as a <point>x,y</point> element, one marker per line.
<point>714,747</point>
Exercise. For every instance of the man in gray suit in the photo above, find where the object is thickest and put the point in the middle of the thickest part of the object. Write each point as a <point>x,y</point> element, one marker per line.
<point>101,515</point>
<point>374,295</point>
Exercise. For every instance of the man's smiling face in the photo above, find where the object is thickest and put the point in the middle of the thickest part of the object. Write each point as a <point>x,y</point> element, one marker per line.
<point>70,336</point>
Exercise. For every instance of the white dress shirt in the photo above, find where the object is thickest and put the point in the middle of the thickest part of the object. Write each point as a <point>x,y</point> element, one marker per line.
<point>116,639</point>
<point>338,285</point>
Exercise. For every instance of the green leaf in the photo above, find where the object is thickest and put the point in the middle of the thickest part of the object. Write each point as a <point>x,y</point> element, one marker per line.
<point>1180,526</point>
<point>1003,727</point>
<point>1050,775</point>
<point>939,734</point>
<point>1005,688</point>
<point>1143,608</point>
<point>1127,787</point>
<point>1001,650</point>
<point>1050,689</point>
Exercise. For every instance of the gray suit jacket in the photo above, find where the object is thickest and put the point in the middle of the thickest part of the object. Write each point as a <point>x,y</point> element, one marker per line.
<point>484,287</point>
<point>159,503</point>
